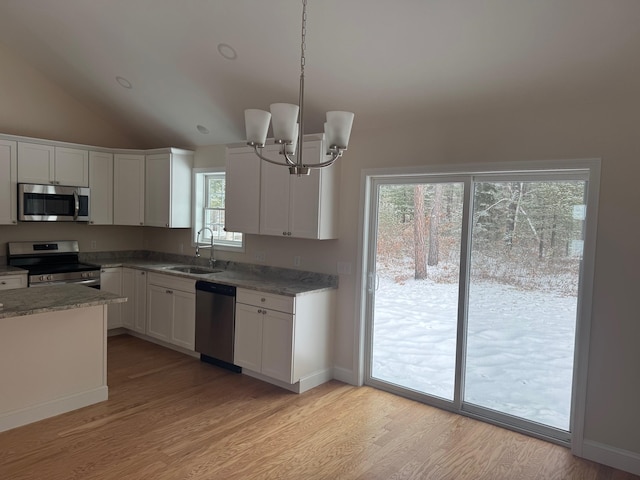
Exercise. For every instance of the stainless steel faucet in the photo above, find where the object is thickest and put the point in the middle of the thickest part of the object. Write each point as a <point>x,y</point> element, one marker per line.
<point>212,261</point>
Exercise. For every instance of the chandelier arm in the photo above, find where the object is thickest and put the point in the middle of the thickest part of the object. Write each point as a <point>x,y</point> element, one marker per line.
<point>290,162</point>
<point>328,163</point>
<point>266,159</point>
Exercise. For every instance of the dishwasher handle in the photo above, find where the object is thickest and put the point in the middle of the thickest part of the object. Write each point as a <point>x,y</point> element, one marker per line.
<point>217,288</point>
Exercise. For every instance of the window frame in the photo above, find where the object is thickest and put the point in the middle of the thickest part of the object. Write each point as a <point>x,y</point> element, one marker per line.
<point>198,214</point>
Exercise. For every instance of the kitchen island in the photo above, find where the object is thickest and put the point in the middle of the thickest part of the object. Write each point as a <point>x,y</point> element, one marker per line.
<point>53,353</point>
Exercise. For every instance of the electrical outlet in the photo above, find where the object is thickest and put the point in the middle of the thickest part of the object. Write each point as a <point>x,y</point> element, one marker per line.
<point>296,261</point>
<point>94,245</point>
<point>260,256</point>
<point>344,268</point>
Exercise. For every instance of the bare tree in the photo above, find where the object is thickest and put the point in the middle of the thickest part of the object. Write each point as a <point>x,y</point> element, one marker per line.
<point>419,232</point>
<point>434,227</point>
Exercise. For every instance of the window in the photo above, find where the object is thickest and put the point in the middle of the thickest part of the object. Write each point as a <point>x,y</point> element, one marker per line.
<point>209,211</point>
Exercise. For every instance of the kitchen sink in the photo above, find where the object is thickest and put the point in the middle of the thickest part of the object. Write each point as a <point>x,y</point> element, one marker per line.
<point>194,270</point>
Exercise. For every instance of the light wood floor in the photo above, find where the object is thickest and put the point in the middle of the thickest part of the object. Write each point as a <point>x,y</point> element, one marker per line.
<point>171,417</point>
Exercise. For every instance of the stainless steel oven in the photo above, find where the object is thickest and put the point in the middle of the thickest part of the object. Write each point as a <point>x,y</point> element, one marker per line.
<point>53,203</point>
<point>53,263</point>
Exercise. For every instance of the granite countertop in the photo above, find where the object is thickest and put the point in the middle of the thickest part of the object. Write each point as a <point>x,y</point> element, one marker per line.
<point>29,301</point>
<point>9,270</point>
<point>263,279</point>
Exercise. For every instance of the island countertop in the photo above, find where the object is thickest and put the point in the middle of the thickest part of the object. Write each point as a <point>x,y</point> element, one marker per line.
<point>29,301</point>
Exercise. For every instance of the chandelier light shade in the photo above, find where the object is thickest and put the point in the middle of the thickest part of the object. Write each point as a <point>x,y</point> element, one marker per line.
<point>257,126</point>
<point>338,129</point>
<point>288,126</point>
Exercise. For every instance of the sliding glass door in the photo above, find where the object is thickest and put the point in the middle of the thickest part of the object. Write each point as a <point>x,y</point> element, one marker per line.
<point>416,286</point>
<point>473,293</point>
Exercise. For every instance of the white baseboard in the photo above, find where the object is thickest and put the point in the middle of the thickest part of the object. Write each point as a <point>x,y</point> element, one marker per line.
<point>345,376</point>
<point>35,413</point>
<point>303,385</point>
<point>611,456</point>
<point>147,338</point>
<point>316,379</point>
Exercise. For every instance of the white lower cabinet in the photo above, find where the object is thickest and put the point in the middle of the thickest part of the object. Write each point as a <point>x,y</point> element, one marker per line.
<point>134,311</point>
<point>111,281</point>
<point>9,282</point>
<point>171,310</point>
<point>285,338</point>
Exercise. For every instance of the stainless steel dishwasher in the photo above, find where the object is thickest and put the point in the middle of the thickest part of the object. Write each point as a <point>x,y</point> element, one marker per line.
<point>215,323</point>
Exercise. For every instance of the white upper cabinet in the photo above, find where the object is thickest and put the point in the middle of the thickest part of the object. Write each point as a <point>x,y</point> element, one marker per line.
<point>37,163</point>
<point>8,182</point>
<point>46,164</point>
<point>101,185</point>
<point>242,195</point>
<point>265,198</point>
<point>71,167</point>
<point>168,189</point>
<point>128,189</point>
<point>300,206</point>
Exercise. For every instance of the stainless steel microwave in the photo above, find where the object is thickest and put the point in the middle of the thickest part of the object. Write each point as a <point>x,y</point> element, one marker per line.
<point>52,203</point>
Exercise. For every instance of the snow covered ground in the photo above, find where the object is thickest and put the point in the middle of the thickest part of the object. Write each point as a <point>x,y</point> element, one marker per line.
<point>520,345</point>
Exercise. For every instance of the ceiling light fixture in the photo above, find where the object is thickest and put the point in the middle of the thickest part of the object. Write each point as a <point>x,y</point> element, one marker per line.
<point>288,130</point>
<point>124,83</point>
<point>227,51</point>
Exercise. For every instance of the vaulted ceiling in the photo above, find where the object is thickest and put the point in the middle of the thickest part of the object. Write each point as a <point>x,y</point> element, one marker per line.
<point>388,61</point>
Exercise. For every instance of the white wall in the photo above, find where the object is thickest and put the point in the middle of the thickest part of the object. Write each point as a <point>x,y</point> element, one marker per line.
<point>32,106</point>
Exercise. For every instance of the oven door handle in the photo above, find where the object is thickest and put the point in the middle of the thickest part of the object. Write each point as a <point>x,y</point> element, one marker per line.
<point>76,204</point>
<point>94,283</point>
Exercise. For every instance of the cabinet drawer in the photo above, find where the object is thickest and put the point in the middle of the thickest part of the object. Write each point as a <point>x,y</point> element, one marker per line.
<point>171,282</point>
<point>8,282</point>
<point>267,300</point>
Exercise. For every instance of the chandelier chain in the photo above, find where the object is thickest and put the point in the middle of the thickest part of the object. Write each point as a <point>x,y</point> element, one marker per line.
<point>303,45</point>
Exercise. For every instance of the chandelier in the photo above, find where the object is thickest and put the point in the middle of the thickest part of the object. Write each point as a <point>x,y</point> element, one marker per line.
<point>288,130</point>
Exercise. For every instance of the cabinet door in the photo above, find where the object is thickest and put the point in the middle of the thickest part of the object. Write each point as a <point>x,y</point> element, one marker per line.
<point>140,316</point>
<point>277,345</point>
<point>129,290</point>
<point>274,198</point>
<point>248,337</point>
<point>128,189</point>
<point>134,312</point>
<point>184,319</point>
<point>35,163</point>
<point>71,167</point>
<point>304,197</point>
<point>159,312</point>
<point>8,182</point>
<point>101,185</point>
<point>111,281</point>
<point>242,191</point>
<point>158,190</point>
